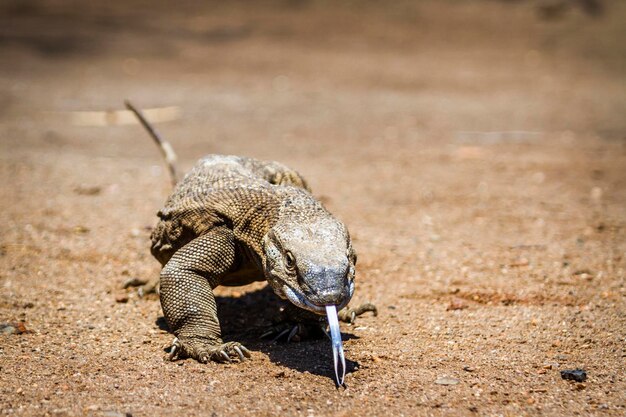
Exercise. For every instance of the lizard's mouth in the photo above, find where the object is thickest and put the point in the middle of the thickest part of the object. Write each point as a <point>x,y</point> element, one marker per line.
<point>298,298</point>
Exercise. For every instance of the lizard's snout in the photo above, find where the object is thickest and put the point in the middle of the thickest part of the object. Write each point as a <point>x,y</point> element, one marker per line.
<point>332,296</point>
<point>326,286</point>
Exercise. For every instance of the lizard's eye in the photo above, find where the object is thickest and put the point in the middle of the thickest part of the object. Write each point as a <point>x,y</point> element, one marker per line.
<point>290,261</point>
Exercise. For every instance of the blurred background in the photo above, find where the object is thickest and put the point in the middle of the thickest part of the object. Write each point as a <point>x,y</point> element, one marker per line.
<point>264,74</point>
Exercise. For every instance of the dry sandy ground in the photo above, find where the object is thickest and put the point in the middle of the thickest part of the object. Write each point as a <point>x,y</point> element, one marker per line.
<point>476,151</point>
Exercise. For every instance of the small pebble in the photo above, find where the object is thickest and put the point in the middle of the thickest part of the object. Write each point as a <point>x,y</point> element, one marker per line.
<point>121,298</point>
<point>7,328</point>
<point>520,262</point>
<point>81,229</point>
<point>13,328</point>
<point>578,375</point>
<point>457,304</point>
<point>446,381</point>
<point>87,190</point>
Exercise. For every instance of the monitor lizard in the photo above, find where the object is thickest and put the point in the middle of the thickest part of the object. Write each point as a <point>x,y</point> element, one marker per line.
<point>233,220</point>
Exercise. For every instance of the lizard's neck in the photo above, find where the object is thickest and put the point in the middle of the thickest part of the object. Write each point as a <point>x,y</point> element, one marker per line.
<point>286,204</point>
<point>252,221</point>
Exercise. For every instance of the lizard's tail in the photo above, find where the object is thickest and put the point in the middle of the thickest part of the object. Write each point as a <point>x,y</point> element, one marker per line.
<point>166,149</point>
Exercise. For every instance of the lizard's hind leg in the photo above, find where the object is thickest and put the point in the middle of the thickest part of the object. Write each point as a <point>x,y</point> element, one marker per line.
<point>294,324</point>
<point>187,282</point>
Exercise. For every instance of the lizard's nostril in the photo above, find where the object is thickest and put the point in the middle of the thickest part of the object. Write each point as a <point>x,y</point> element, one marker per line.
<point>332,296</point>
<point>303,284</point>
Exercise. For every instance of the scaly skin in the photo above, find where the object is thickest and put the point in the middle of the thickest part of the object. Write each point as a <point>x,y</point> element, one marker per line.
<point>235,220</point>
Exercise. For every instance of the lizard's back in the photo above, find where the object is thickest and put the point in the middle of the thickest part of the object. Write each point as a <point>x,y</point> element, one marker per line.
<point>219,190</point>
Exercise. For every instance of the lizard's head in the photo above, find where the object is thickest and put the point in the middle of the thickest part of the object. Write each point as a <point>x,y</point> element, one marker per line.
<point>310,263</point>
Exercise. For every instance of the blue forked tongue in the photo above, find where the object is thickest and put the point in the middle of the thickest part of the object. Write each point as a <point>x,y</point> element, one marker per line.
<point>335,337</point>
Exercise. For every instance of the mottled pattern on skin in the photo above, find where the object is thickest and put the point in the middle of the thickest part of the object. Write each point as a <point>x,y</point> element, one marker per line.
<point>234,220</point>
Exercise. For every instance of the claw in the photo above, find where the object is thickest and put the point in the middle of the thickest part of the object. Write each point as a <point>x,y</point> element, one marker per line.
<point>353,317</point>
<point>338,356</point>
<point>267,333</point>
<point>245,351</point>
<point>323,329</point>
<point>225,356</point>
<point>174,349</point>
<point>293,332</point>
<point>239,353</point>
<point>281,334</point>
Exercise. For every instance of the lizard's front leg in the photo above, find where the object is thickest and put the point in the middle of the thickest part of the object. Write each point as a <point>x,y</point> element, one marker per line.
<point>186,292</point>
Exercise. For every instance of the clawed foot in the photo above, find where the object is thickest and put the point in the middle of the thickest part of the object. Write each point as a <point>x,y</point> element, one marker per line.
<point>349,315</point>
<point>204,351</point>
<point>295,324</point>
<point>294,332</point>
